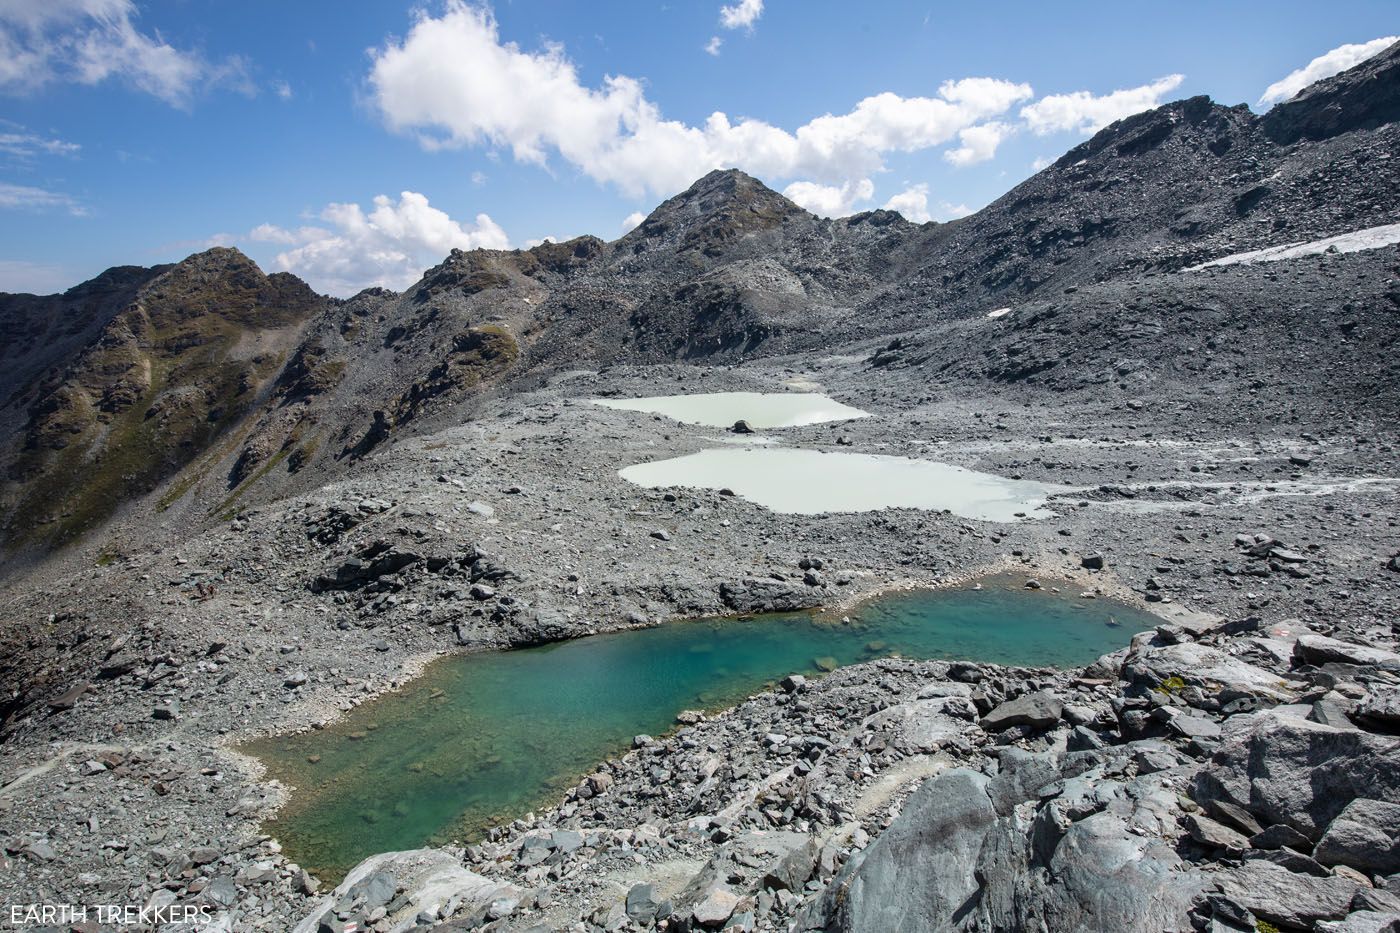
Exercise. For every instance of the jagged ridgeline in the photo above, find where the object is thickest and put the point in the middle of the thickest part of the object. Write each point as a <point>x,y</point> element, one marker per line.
<point>207,386</point>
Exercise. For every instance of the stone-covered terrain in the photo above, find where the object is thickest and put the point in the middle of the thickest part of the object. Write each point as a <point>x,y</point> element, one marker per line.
<point>233,507</point>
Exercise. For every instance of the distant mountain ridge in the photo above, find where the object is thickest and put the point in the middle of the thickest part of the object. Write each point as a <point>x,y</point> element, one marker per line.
<point>207,383</point>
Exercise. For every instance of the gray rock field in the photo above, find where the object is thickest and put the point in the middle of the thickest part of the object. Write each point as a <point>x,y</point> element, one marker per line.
<point>396,477</point>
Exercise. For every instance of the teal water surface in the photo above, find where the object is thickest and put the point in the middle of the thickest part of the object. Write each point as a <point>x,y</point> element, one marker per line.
<point>482,738</point>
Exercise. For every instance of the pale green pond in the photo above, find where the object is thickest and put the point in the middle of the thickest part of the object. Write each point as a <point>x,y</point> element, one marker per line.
<point>761,410</point>
<point>810,482</point>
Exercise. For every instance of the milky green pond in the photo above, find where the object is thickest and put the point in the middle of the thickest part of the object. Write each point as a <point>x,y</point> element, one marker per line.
<point>759,409</point>
<point>482,738</point>
<point>810,482</point>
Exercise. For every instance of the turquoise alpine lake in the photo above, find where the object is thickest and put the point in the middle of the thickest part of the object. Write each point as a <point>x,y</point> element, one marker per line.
<point>482,738</point>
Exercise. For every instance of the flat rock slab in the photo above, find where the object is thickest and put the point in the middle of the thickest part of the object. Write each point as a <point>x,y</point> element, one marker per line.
<point>430,878</point>
<point>1319,649</point>
<point>1283,897</point>
<point>1203,666</point>
<point>1038,710</point>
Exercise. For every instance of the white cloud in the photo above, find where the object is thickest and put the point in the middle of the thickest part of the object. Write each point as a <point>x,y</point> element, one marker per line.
<point>1324,66</point>
<point>452,83</point>
<point>830,200</point>
<point>282,89</point>
<point>979,143</point>
<point>271,233</point>
<point>389,246</point>
<point>478,178</point>
<point>24,145</point>
<point>33,277</point>
<point>741,15</point>
<point>1041,163</point>
<point>1085,113</point>
<point>26,198</point>
<point>912,202</point>
<point>632,220</point>
<point>89,41</point>
<point>713,45</point>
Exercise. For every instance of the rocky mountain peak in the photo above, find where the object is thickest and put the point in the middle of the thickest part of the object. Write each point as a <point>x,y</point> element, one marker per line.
<point>724,205</point>
<point>720,193</point>
<point>1363,97</point>
<point>1219,126</point>
<point>114,279</point>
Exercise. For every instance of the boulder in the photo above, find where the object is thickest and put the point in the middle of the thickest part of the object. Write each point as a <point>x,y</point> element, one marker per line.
<point>1280,836</point>
<point>1303,774</point>
<point>1366,836</point>
<point>1287,898</point>
<point>1319,650</point>
<point>1039,710</point>
<point>430,878</point>
<point>1202,666</point>
<point>936,838</point>
<point>923,726</point>
<point>1363,921</point>
<point>1381,708</point>
<point>1213,835</point>
<point>68,698</point>
<point>715,907</point>
<point>1071,868</point>
<point>641,904</point>
<point>754,594</point>
<point>791,871</point>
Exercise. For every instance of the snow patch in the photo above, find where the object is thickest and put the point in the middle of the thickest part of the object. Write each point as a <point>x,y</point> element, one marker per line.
<point>999,312</point>
<point>1354,242</point>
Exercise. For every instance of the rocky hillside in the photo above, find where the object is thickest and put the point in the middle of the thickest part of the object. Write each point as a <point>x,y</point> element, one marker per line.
<point>237,381</point>
<point>119,383</point>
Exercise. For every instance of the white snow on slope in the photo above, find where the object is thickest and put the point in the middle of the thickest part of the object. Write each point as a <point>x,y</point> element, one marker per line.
<point>1354,242</point>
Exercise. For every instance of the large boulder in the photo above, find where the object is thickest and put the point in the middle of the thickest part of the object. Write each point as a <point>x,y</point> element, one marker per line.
<point>1381,708</point>
<point>1205,667</point>
<point>1287,898</point>
<point>1362,921</point>
<point>754,594</point>
<point>924,725</point>
<point>1303,774</point>
<point>936,839</point>
<point>430,878</point>
<point>1319,649</point>
<point>1366,835</point>
<point>1038,710</point>
<point>961,855</point>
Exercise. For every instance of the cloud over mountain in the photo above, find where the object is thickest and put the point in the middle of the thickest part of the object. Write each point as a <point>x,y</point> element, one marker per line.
<point>389,246</point>
<point>1324,66</point>
<point>452,82</point>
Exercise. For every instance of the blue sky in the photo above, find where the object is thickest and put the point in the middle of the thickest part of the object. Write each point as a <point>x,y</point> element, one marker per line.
<point>138,132</point>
